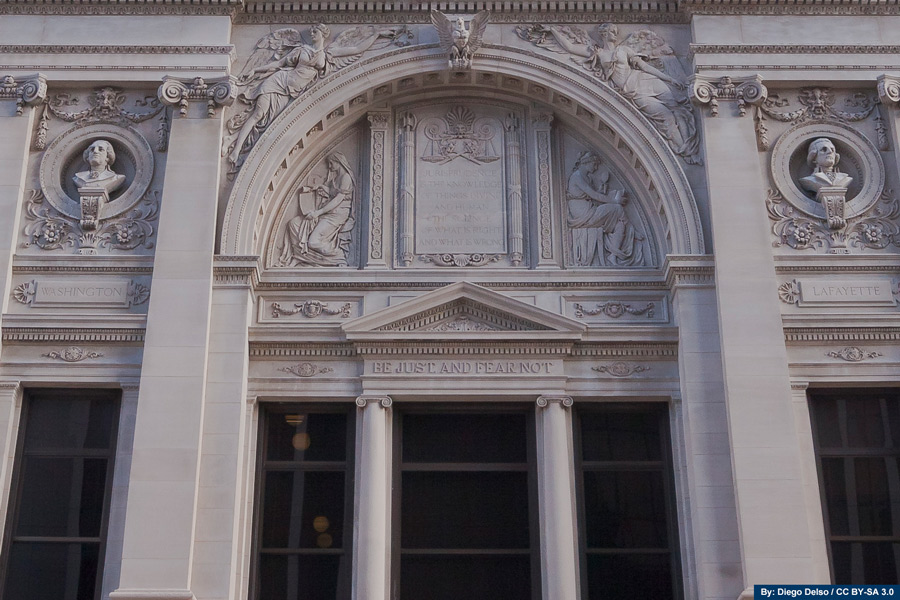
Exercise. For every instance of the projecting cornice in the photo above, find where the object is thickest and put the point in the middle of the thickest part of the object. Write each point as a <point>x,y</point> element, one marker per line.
<point>115,7</point>
<point>790,7</point>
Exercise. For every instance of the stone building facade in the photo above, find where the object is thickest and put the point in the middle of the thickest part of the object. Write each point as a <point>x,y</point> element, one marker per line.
<point>382,300</point>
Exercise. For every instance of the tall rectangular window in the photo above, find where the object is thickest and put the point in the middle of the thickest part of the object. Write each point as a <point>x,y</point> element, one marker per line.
<point>56,532</point>
<point>628,526</point>
<point>304,533</point>
<point>465,496</point>
<point>857,441</point>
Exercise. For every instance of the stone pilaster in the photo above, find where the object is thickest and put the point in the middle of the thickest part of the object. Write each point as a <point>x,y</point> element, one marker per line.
<point>556,498</point>
<point>710,544</point>
<point>371,537</point>
<point>223,456</point>
<point>776,543</point>
<point>17,99</point>
<point>543,183</point>
<point>889,93</point>
<point>162,494</point>
<point>10,410</point>
<point>380,185</point>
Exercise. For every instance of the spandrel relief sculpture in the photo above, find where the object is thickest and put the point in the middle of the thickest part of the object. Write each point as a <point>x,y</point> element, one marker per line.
<point>284,65</point>
<point>320,234</point>
<point>642,68</point>
<point>602,234</point>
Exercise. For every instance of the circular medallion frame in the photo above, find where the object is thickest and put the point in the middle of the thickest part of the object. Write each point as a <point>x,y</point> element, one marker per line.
<point>57,166</point>
<point>857,153</point>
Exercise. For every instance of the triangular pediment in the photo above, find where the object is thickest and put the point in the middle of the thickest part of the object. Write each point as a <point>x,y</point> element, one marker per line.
<point>463,310</point>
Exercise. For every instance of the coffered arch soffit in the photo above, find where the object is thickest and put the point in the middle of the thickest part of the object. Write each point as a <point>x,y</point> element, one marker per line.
<point>318,118</point>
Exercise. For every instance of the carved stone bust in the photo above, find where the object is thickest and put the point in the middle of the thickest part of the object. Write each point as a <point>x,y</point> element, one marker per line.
<point>823,158</point>
<point>99,156</point>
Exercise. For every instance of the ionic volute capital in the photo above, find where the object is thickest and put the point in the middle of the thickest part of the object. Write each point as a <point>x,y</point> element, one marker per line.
<point>563,401</point>
<point>179,92</point>
<point>25,91</point>
<point>743,90</point>
<point>889,89</point>
<point>383,401</point>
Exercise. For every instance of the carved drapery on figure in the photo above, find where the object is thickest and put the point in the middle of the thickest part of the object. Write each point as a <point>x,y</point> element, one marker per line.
<point>283,66</point>
<point>642,68</point>
<point>601,232</point>
<point>320,234</point>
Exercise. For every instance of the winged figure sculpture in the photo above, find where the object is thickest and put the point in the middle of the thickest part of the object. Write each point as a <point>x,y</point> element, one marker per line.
<point>284,65</point>
<point>643,68</point>
<point>458,42</point>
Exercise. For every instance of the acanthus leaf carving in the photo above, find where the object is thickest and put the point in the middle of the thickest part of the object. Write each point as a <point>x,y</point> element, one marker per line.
<point>853,354</point>
<point>73,354</point>
<point>180,92</point>
<point>48,229</point>
<point>620,369</point>
<point>311,309</point>
<point>24,292</point>
<point>461,260</point>
<point>743,90</point>
<point>875,230</point>
<point>306,369</point>
<point>614,309</point>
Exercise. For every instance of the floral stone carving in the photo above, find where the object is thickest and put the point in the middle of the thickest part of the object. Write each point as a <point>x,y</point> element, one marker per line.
<point>853,354</point>
<point>620,369</point>
<point>283,66</point>
<point>311,309</point>
<point>614,310</point>
<point>642,68</point>
<point>306,369</point>
<point>73,354</point>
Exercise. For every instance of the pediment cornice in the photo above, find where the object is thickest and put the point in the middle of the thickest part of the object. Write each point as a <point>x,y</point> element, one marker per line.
<point>462,311</point>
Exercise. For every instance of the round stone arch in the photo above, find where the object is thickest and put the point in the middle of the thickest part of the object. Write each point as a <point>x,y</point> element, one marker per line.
<point>319,116</point>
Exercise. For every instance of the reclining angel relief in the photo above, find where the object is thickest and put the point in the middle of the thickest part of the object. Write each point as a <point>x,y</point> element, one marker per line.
<point>642,68</point>
<point>283,66</point>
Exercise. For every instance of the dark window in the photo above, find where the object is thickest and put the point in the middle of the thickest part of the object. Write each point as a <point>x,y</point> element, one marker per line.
<point>628,530</point>
<point>466,510</point>
<point>857,440</point>
<point>304,499</point>
<point>56,533</point>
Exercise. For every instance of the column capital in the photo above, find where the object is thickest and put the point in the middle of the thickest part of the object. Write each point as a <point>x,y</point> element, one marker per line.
<point>28,90</point>
<point>743,90</point>
<point>379,119</point>
<point>177,91</point>
<point>563,401</point>
<point>542,120</point>
<point>889,89</point>
<point>365,400</point>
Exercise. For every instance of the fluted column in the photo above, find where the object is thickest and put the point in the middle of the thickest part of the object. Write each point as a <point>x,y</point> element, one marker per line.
<point>556,498</point>
<point>162,493</point>
<point>407,187</point>
<point>17,99</point>
<point>514,188</point>
<point>371,538</point>
<point>776,542</point>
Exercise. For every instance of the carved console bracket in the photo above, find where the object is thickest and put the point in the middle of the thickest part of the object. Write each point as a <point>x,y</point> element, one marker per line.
<point>28,91</point>
<point>180,92</point>
<point>743,90</point>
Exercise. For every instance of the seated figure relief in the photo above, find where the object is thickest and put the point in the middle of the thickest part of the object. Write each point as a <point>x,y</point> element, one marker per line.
<point>321,236</point>
<point>601,232</point>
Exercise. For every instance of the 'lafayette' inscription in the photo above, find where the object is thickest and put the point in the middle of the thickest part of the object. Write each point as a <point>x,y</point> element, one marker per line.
<point>462,367</point>
<point>831,292</point>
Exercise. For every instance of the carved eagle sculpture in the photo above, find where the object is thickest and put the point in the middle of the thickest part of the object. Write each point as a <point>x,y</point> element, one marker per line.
<point>458,42</point>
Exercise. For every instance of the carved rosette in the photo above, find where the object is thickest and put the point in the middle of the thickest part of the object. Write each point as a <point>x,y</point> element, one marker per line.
<point>73,354</point>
